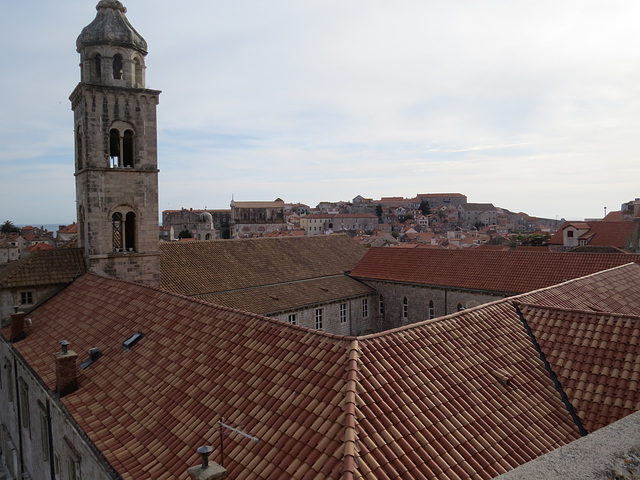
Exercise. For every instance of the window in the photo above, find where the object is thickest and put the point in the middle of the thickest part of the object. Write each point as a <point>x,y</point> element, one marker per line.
<point>121,148</point>
<point>24,404</point>
<point>97,68</point>
<point>343,313</point>
<point>365,307</point>
<point>44,436</point>
<point>432,309</point>
<point>130,232</point>
<point>117,66</point>
<point>292,319</point>
<point>405,309</point>
<point>26,298</point>
<point>6,380</point>
<point>116,222</point>
<point>319,323</point>
<point>381,305</point>
<point>570,233</point>
<point>74,469</point>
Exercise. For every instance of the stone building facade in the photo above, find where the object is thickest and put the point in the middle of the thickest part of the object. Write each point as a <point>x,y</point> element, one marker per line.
<point>203,224</point>
<point>36,435</point>
<point>255,219</point>
<point>322,223</point>
<point>116,165</point>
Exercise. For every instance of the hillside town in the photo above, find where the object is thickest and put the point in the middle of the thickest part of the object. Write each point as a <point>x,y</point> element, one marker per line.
<point>416,338</point>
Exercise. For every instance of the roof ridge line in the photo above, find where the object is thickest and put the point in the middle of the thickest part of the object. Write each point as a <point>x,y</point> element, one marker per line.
<point>350,446</point>
<point>597,313</point>
<point>290,282</point>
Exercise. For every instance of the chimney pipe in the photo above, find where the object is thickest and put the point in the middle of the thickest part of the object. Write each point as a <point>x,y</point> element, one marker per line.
<point>17,327</point>
<point>66,371</point>
<point>206,471</point>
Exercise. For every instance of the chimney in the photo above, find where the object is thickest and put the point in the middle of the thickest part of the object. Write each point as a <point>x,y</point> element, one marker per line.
<point>17,327</point>
<point>66,371</point>
<point>206,471</point>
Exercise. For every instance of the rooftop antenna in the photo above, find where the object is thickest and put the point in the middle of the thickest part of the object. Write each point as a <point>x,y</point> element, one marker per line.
<point>605,211</point>
<point>231,429</point>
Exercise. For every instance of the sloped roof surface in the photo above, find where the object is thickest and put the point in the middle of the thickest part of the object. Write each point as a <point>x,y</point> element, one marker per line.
<point>616,290</point>
<point>498,271</point>
<point>600,233</point>
<point>596,358</point>
<point>45,267</point>
<point>614,234</point>
<point>420,402</point>
<point>275,298</point>
<point>200,268</point>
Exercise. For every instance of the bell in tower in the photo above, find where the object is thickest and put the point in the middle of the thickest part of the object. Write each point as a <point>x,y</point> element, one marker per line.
<point>116,165</point>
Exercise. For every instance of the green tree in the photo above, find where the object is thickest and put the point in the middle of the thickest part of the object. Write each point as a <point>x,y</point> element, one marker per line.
<point>185,234</point>
<point>424,208</point>
<point>379,211</point>
<point>8,227</point>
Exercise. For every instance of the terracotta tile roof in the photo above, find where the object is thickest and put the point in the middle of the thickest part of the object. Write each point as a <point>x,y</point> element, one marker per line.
<point>198,268</point>
<point>73,228</point>
<point>600,233</point>
<point>461,397</point>
<point>38,247</point>
<point>596,358</point>
<point>505,272</point>
<point>614,234</point>
<point>268,300</point>
<point>614,291</point>
<point>46,267</point>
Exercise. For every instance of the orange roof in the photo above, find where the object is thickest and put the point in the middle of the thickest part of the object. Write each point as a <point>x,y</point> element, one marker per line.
<point>614,234</point>
<point>73,228</point>
<point>38,247</point>
<point>596,357</point>
<point>46,267</point>
<point>462,397</point>
<point>497,271</point>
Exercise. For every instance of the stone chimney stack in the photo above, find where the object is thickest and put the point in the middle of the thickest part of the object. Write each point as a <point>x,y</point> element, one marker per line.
<point>66,370</point>
<point>17,327</point>
<point>206,471</point>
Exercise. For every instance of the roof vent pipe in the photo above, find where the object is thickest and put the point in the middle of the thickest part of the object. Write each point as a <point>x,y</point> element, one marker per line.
<point>206,471</point>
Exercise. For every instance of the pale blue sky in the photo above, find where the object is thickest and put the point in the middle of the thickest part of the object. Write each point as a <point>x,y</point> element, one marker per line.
<point>531,105</point>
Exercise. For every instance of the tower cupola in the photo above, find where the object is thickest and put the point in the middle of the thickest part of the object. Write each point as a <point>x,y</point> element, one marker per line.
<point>112,51</point>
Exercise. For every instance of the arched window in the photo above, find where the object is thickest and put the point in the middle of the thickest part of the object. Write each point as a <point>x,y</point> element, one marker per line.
<point>127,149</point>
<point>121,148</point>
<point>116,222</point>
<point>432,309</point>
<point>97,68</point>
<point>405,309</point>
<point>207,236</point>
<point>114,148</point>
<point>117,66</point>
<point>130,232</point>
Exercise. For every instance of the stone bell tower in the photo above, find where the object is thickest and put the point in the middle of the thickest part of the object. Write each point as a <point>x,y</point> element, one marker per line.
<point>116,165</point>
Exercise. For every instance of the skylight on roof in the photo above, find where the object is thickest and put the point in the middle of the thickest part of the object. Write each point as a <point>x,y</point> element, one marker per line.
<point>130,342</point>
